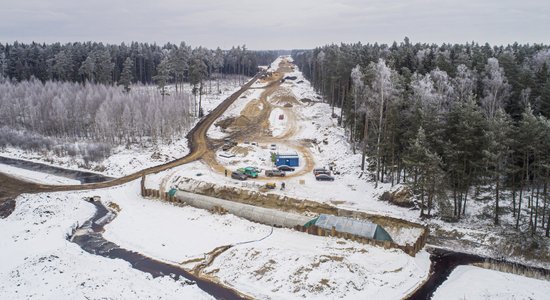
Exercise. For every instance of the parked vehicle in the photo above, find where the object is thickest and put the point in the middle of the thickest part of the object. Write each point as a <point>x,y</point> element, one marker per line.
<point>273,147</point>
<point>238,175</point>
<point>255,169</point>
<point>285,168</point>
<point>275,172</point>
<point>318,171</point>
<point>248,171</point>
<point>324,177</point>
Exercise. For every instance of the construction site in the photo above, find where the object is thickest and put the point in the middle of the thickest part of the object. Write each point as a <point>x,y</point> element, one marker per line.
<point>264,129</point>
<point>269,203</point>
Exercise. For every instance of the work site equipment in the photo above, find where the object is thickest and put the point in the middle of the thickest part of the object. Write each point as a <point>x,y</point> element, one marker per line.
<point>270,185</point>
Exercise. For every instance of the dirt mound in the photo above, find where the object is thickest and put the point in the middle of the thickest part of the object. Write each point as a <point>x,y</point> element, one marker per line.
<point>240,121</point>
<point>283,96</point>
<point>257,198</point>
<point>253,109</point>
<point>225,123</point>
<point>401,197</point>
<point>285,66</point>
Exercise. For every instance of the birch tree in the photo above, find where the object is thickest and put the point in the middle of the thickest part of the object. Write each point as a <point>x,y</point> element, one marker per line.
<point>495,88</point>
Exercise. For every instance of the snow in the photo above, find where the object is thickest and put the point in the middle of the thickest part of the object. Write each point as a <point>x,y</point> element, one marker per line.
<point>470,282</point>
<point>275,64</point>
<point>172,233</point>
<point>286,264</point>
<point>290,265</point>
<point>38,262</point>
<point>37,177</point>
<point>278,126</point>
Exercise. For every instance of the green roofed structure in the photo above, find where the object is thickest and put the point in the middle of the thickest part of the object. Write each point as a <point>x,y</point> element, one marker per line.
<point>352,226</point>
<point>172,192</point>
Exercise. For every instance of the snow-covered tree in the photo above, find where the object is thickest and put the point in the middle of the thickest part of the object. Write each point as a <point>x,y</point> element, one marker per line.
<point>496,89</point>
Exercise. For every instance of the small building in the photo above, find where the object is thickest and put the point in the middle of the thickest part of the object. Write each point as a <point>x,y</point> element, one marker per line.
<point>289,159</point>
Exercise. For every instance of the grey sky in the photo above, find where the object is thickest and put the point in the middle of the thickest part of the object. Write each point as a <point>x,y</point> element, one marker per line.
<point>279,24</point>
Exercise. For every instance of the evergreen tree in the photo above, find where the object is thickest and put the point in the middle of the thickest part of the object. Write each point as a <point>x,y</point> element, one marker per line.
<point>198,72</point>
<point>126,75</point>
<point>496,154</point>
<point>163,75</point>
<point>428,174</point>
<point>463,153</point>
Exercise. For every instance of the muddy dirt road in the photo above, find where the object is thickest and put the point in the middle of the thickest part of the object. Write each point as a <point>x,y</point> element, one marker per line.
<point>198,145</point>
<point>253,124</point>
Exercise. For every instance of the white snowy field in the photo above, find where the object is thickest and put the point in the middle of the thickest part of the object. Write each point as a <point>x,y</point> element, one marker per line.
<point>469,282</point>
<point>37,177</point>
<point>278,125</point>
<point>285,265</point>
<point>36,260</point>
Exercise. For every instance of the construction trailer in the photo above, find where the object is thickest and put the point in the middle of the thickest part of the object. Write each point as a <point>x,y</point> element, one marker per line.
<point>289,159</point>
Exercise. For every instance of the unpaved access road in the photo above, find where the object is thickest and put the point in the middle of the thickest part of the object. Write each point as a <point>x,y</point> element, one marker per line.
<point>11,187</point>
<point>253,125</point>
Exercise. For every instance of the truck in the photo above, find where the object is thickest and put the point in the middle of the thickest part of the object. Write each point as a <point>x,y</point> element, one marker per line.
<point>249,171</point>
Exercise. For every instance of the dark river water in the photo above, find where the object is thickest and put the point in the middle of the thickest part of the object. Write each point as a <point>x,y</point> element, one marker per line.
<point>82,176</point>
<point>94,242</point>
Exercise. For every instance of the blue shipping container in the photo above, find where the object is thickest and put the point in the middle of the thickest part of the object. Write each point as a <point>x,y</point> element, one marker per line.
<point>289,160</point>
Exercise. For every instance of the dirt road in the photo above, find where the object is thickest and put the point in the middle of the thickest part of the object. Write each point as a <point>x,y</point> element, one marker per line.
<point>198,145</point>
<point>253,124</point>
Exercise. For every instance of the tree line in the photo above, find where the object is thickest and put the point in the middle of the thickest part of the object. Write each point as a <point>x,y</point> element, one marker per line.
<point>123,64</point>
<point>454,122</point>
<point>52,95</point>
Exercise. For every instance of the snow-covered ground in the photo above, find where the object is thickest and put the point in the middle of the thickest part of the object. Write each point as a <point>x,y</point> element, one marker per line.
<point>469,282</point>
<point>285,265</point>
<point>34,176</point>
<point>278,125</point>
<point>39,262</point>
<point>36,260</point>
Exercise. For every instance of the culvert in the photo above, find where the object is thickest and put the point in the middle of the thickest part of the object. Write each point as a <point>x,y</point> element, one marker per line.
<point>261,215</point>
